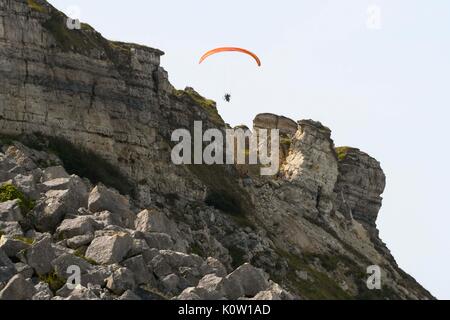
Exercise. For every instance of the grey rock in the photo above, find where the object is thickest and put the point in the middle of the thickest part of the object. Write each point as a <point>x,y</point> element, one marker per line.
<point>50,213</point>
<point>193,293</point>
<point>40,255</point>
<point>18,288</point>
<point>64,261</point>
<point>104,199</point>
<point>109,249</point>
<point>78,226</point>
<point>251,279</point>
<point>129,295</point>
<point>25,270</point>
<point>161,241</point>
<point>138,247</point>
<point>11,229</point>
<point>12,246</point>
<point>155,221</point>
<point>171,283</point>
<point>82,293</point>
<point>10,211</point>
<point>80,241</point>
<point>7,268</point>
<point>56,172</point>
<point>214,286</point>
<point>120,281</point>
<point>43,292</point>
<point>138,267</point>
<point>275,292</point>
<point>26,184</point>
<point>97,275</point>
<point>361,182</point>
<point>213,266</point>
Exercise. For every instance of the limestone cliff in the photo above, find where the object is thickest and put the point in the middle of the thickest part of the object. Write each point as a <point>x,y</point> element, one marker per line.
<point>86,172</point>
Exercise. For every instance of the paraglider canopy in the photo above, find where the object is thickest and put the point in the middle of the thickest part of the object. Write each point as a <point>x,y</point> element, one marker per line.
<point>230,49</point>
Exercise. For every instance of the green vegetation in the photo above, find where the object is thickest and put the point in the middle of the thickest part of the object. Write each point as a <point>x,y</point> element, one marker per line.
<point>9,192</point>
<point>208,105</point>
<point>224,192</point>
<point>342,152</point>
<point>70,40</point>
<point>196,249</point>
<point>24,239</point>
<point>238,256</point>
<point>36,6</point>
<point>54,281</point>
<point>286,142</point>
<point>80,254</point>
<point>76,160</point>
<point>323,288</point>
<point>6,140</point>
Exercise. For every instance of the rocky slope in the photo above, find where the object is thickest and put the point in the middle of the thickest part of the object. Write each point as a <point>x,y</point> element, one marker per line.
<point>87,180</point>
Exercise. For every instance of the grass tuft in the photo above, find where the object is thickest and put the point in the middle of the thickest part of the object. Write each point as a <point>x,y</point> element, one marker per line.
<point>9,192</point>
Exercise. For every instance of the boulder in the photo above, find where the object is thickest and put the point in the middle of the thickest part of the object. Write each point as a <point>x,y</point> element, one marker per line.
<point>171,283</point>
<point>129,295</point>
<point>104,199</point>
<point>11,229</point>
<point>18,288</point>
<point>24,269</point>
<point>82,225</point>
<point>109,249</point>
<point>213,266</point>
<point>251,279</point>
<point>40,255</point>
<point>120,281</point>
<point>193,293</point>
<point>155,221</point>
<point>64,261</point>
<point>49,213</point>
<point>160,241</point>
<point>12,246</point>
<point>82,293</point>
<point>10,211</point>
<point>7,268</point>
<point>43,292</point>
<point>26,184</point>
<point>215,287</point>
<point>80,241</point>
<point>55,172</point>
<point>138,267</point>
<point>274,292</point>
<point>97,275</point>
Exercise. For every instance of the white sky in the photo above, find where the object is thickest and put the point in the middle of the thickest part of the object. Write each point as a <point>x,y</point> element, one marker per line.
<point>384,91</point>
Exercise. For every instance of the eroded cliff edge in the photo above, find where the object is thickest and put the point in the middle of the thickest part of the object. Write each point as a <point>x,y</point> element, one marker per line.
<point>104,111</point>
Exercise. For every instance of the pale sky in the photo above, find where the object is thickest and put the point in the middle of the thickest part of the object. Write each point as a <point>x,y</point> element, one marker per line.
<point>385,91</point>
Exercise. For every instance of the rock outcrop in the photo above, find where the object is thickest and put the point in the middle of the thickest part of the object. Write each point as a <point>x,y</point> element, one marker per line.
<point>86,180</point>
<point>360,184</point>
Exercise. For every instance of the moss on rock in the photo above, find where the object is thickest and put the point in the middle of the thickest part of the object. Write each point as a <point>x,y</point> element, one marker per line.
<point>34,5</point>
<point>10,192</point>
<point>342,152</point>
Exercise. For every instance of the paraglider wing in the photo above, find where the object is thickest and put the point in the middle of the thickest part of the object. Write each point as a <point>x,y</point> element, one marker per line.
<point>228,49</point>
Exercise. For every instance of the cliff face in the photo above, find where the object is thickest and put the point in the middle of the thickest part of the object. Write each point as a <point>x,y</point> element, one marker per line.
<point>105,111</point>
